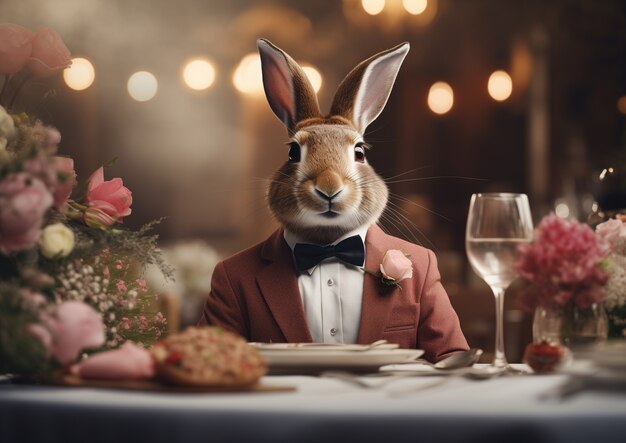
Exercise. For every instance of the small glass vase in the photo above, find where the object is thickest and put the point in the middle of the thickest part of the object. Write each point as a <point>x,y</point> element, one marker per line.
<point>571,326</point>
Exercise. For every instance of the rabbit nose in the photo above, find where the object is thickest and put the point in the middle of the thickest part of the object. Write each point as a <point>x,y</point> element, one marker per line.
<point>327,196</point>
<point>328,185</point>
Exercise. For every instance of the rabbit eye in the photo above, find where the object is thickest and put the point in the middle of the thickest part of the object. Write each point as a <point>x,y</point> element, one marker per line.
<point>359,153</point>
<point>294,152</point>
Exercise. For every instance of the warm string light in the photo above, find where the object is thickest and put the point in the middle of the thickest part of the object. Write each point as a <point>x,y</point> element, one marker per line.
<point>415,7</point>
<point>440,98</point>
<point>142,86</point>
<point>373,7</point>
<point>248,77</point>
<point>500,86</point>
<point>200,74</point>
<point>314,77</point>
<point>80,75</point>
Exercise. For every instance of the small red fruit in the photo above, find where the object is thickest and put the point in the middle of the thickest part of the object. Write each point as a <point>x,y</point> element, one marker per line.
<point>544,357</point>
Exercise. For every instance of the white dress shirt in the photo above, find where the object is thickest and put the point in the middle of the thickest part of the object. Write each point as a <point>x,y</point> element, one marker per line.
<point>331,295</point>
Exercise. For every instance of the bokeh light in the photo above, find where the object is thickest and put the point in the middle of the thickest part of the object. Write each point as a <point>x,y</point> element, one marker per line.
<point>440,98</point>
<point>500,86</point>
<point>415,7</point>
<point>373,7</point>
<point>314,77</point>
<point>80,75</point>
<point>248,77</point>
<point>199,74</point>
<point>561,209</point>
<point>142,86</point>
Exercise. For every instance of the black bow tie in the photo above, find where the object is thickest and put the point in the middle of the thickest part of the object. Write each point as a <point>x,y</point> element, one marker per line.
<point>350,250</point>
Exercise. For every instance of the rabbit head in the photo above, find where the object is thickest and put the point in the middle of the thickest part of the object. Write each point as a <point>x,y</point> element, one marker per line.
<point>326,188</point>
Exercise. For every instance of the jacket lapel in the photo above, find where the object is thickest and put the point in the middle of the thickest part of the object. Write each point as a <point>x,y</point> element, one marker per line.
<point>278,284</point>
<point>377,298</point>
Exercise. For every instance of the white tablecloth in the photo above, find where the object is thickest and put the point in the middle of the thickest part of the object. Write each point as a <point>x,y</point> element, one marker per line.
<point>437,409</point>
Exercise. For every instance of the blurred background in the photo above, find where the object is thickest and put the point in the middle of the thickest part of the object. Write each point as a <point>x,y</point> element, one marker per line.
<point>493,96</point>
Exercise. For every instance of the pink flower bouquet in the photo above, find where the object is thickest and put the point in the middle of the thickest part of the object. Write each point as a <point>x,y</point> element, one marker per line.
<point>71,278</point>
<point>563,265</point>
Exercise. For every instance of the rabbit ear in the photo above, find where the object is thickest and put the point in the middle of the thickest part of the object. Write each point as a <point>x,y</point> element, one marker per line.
<point>287,88</point>
<point>362,95</point>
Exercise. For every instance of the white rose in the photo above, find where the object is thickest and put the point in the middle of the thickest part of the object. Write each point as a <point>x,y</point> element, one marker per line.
<point>7,128</point>
<point>57,240</point>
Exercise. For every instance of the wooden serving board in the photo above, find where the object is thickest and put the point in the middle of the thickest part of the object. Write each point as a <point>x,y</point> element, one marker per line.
<point>156,386</point>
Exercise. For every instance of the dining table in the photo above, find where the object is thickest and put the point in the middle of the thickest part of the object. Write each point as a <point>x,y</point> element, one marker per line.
<point>323,408</point>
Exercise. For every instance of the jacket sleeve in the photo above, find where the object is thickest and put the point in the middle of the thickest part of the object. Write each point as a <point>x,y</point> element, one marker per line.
<point>222,306</point>
<point>439,332</point>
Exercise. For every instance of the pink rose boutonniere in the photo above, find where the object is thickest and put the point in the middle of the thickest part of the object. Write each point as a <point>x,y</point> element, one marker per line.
<point>394,268</point>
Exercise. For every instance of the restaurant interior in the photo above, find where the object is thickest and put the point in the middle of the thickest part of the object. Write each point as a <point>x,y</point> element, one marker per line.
<point>493,96</point>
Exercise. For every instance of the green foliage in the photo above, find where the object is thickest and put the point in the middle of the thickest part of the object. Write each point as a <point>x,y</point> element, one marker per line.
<point>20,353</point>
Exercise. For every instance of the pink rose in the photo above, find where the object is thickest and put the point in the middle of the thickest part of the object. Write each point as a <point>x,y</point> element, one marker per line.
<point>49,55</point>
<point>74,326</point>
<point>110,197</point>
<point>23,202</point>
<point>66,180</point>
<point>126,363</point>
<point>16,45</point>
<point>396,266</point>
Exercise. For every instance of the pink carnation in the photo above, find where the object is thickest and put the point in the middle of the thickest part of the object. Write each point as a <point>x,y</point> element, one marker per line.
<point>562,264</point>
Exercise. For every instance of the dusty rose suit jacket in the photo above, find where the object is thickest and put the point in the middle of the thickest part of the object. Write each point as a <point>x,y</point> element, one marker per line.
<point>255,294</point>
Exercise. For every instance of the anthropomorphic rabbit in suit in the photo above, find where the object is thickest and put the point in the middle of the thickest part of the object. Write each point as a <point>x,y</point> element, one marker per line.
<point>306,282</point>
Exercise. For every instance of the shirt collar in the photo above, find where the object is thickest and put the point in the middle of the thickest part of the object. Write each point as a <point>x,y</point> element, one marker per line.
<point>292,239</point>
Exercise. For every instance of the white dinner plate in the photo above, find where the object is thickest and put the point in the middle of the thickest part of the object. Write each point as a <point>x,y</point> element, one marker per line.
<point>318,359</point>
<point>321,347</point>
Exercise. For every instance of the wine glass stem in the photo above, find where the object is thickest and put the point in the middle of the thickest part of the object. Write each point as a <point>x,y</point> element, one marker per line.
<point>499,360</point>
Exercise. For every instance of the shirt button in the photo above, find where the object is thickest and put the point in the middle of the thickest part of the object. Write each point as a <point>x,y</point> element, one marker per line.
<point>333,331</point>
<point>330,282</point>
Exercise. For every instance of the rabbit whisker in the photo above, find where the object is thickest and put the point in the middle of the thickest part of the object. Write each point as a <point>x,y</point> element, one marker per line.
<point>394,209</point>
<point>405,173</point>
<point>433,178</point>
<point>408,200</point>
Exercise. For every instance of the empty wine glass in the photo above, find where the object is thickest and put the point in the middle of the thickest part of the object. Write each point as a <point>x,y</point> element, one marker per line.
<point>496,224</point>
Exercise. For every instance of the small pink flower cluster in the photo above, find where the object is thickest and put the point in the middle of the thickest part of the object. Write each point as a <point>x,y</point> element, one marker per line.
<point>562,265</point>
<point>42,52</point>
<point>108,284</point>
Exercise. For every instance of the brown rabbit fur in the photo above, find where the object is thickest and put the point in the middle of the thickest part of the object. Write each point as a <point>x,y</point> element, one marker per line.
<point>327,189</point>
